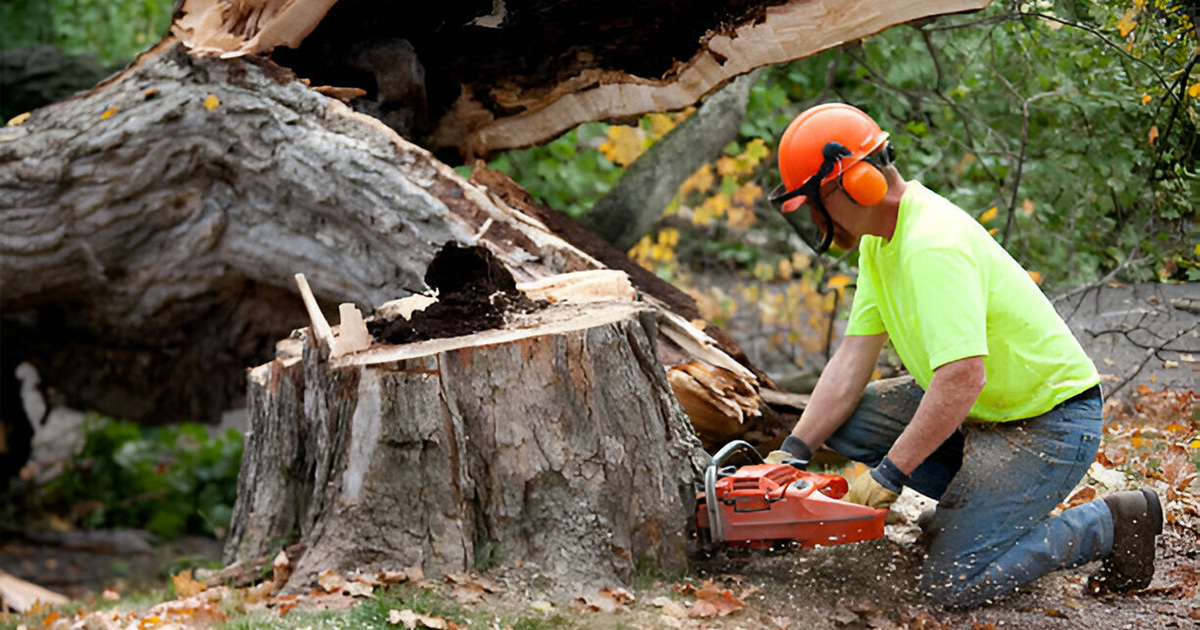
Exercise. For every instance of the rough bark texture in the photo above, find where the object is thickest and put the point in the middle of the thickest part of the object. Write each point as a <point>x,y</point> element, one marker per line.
<point>149,228</point>
<point>556,441</point>
<point>633,206</point>
<point>149,233</point>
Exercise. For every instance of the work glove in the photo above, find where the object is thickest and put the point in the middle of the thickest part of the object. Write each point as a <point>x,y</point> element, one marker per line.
<point>879,487</point>
<point>793,452</point>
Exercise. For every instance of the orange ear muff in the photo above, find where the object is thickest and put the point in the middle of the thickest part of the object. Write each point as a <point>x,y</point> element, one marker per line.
<point>864,184</point>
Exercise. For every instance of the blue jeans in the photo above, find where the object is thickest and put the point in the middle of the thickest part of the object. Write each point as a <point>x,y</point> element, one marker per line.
<point>996,484</point>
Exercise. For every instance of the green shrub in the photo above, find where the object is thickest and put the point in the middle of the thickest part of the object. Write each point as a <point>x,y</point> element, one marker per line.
<point>168,480</point>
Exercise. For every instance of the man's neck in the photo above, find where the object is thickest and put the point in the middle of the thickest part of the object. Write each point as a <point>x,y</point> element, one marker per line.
<point>889,210</point>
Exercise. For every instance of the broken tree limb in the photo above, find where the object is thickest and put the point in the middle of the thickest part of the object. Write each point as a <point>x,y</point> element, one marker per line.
<point>157,230</point>
<point>470,79</point>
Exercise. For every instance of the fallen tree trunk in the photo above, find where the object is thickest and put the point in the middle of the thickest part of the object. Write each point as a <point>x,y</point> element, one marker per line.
<point>149,228</point>
<point>555,440</point>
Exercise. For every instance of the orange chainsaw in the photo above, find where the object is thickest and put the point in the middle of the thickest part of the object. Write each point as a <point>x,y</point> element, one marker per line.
<point>760,505</point>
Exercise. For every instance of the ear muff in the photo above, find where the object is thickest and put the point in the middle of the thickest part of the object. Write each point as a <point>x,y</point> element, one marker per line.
<point>864,183</point>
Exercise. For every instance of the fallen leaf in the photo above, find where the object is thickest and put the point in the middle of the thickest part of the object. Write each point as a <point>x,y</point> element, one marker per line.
<point>111,595</point>
<point>211,102</point>
<point>542,606</point>
<point>686,588</point>
<point>1081,496</point>
<point>414,620</point>
<point>18,119</point>
<point>330,581</point>
<point>413,574</point>
<point>185,586</point>
<point>714,601</point>
<point>358,589</point>
<point>108,113</point>
<point>467,593</point>
<point>606,600</point>
<point>282,566</point>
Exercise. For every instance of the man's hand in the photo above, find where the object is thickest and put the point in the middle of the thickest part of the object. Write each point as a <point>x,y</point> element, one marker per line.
<point>864,490</point>
<point>879,487</point>
<point>793,451</point>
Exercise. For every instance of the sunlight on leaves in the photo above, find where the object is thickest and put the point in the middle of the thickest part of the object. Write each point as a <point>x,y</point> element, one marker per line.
<point>624,145</point>
<point>1128,21</point>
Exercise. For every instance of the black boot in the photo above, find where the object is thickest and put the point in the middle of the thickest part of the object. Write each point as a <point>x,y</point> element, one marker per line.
<point>1137,519</point>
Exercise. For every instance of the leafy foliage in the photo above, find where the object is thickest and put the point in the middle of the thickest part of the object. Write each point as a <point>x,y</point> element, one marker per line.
<point>115,30</point>
<point>1069,128</point>
<point>569,173</point>
<point>167,480</point>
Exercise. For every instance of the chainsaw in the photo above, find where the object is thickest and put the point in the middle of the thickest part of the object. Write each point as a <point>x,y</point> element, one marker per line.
<point>760,505</point>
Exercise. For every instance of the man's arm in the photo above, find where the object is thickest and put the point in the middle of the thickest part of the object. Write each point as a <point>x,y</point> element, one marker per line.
<point>952,392</point>
<point>839,389</point>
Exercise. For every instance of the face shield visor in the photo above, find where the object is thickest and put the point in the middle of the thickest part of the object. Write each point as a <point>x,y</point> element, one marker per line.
<point>813,225</point>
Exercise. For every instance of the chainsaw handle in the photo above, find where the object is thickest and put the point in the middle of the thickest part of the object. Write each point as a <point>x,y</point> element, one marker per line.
<point>730,449</point>
<point>803,487</point>
<point>716,524</point>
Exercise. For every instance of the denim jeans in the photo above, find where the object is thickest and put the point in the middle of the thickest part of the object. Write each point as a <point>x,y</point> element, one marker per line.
<point>996,484</point>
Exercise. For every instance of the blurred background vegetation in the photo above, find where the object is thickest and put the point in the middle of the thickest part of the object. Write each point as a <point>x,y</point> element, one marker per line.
<point>1068,128</point>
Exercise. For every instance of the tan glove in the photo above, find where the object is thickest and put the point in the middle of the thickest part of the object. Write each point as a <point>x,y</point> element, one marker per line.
<point>793,451</point>
<point>864,490</point>
<point>778,457</point>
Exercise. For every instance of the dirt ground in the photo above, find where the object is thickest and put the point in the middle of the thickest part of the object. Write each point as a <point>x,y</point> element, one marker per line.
<point>874,585</point>
<point>849,587</point>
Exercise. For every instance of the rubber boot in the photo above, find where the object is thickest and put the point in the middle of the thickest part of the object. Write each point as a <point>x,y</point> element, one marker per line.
<point>1137,518</point>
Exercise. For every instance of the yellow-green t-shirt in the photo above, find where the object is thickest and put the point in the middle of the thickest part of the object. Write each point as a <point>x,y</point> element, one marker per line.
<point>943,289</point>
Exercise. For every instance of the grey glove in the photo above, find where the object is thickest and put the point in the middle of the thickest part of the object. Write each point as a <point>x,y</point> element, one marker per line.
<point>793,452</point>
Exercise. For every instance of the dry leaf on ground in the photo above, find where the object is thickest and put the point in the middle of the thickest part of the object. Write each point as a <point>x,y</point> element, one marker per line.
<point>413,620</point>
<point>713,601</point>
<point>607,600</point>
<point>331,581</point>
<point>185,586</point>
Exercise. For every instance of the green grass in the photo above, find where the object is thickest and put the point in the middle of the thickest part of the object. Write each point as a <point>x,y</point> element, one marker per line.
<point>372,614</point>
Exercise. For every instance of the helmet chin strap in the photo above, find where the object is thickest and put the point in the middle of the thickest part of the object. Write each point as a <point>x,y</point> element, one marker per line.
<point>831,154</point>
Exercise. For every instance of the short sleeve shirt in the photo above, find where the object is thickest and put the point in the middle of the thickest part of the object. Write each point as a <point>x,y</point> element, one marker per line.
<point>943,289</point>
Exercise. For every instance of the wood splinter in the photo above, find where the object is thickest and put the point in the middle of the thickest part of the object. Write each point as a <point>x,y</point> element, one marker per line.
<point>352,333</point>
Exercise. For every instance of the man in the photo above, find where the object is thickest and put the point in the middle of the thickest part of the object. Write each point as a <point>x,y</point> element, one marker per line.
<point>1003,414</point>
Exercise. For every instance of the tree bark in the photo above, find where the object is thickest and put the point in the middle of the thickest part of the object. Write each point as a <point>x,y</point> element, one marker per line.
<point>631,208</point>
<point>149,231</point>
<point>555,440</point>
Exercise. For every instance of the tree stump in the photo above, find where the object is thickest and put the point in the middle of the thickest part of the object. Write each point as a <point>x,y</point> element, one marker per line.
<point>555,441</point>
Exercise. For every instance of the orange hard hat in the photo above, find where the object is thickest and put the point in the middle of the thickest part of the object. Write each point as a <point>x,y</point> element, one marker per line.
<point>803,151</point>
